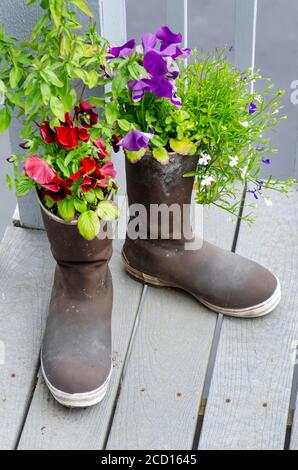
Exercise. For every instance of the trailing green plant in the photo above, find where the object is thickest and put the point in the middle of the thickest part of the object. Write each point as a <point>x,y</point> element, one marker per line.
<point>161,103</point>
<point>42,81</point>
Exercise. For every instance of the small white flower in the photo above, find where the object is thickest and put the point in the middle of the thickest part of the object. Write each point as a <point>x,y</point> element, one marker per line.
<point>207,181</point>
<point>258,98</point>
<point>268,202</point>
<point>204,159</point>
<point>233,161</point>
<point>244,123</point>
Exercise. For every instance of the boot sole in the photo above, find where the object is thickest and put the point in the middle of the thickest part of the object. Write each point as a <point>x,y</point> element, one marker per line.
<point>255,311</point>
<point>78,400</point>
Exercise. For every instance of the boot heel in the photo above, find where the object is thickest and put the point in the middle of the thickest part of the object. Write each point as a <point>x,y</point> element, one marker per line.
<point>145,278</point>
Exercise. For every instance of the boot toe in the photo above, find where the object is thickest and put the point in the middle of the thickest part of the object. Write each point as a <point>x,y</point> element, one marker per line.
<point>246,290</point>
<point>74,382</point>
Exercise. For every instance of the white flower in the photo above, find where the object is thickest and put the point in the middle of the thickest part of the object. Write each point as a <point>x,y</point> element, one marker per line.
<point>233,161</point>
<point>258,98</point>
<point>204,159</point>
<point>207,181</point>
<point>268,202</point>
<point>244,123</point>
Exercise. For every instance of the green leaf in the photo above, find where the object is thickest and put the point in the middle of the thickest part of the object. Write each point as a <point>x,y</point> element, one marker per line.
<point>92,78</point>
<point>88,225</point>
<point>23,185</point>
<point>183,147</point>
<point>119,84</point>
<point>111,112</point>
<point>2,91</point>
<point>90,196</point>
<point>96,101</point>
<point>48,202</point>
<point>161,155</point>
<point>124,125</point>
<point>45,93</point>
<point>80,206</point>
<point>82,6</point>
<point>67,102</point>
<point>50,77</point>
<point>98,193</point>
<point>15,76</point>
<point>66,209</point>
<point>5,119</point>
<point>9,181</point>
<point>134,157</point>
<point>56,11</point>
<point>57,107</point>
<point>107,210</point>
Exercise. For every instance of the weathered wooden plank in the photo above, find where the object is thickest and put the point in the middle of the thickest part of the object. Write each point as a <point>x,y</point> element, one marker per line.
<point>163,381</point>
<point>249,398</point>
<point>294,433</point>
<point>26,269</point>
<point>49,425</point>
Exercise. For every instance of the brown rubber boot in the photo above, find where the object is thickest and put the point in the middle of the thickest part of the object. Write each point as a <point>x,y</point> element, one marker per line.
<point>221,280</point>
<point>76,351</point>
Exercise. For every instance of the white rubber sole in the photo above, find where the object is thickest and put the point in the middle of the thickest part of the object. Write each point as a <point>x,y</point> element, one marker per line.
<point>78,400</point>
<point>259,310</point>
<point>255,311</point>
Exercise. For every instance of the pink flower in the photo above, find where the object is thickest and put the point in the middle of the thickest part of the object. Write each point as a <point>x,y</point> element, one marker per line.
<point>39,171</point>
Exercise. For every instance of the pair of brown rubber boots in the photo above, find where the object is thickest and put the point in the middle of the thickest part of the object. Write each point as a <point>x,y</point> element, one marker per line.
<point>76,353</point>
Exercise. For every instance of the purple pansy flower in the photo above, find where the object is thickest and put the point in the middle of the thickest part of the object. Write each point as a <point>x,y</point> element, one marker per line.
<point>154,64</point>
<point>267,161</point>
<point>252,108</point>
<point>148,42</point>
<point>138,89</point>
<point>167,37</point>
<point>135,141</point>
<point>121,51</point>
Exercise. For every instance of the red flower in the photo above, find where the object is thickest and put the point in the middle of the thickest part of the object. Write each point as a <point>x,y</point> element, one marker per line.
<point>115,140</point>
<point>102,149</point>
<point>85,110</point>
<point>47,134</point>
<point>83,134</point>
<point>39,171</point>
<point>63,189</point>
<point>67,137</point>
<point>93,175</point>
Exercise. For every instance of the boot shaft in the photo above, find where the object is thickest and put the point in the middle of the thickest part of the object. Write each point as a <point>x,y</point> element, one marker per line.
<point>68,246</point>
<point>163,194</point>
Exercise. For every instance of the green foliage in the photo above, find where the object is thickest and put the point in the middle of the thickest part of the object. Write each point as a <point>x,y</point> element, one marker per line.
<point>52,67</point>
<point>88,225</point>
<point>41,80</point>
<point>215,122</point>
<point>107,210</point>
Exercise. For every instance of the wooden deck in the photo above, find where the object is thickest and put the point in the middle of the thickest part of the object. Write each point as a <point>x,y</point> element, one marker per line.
<point>183,377</point>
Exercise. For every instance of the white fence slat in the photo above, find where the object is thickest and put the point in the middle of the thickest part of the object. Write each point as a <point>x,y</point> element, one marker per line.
<point>177,17</point>
<point>245,33</point>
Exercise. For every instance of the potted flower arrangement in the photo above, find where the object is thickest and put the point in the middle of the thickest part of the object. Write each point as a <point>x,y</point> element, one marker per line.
<point>68,162</point>
<point>192,125</point>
